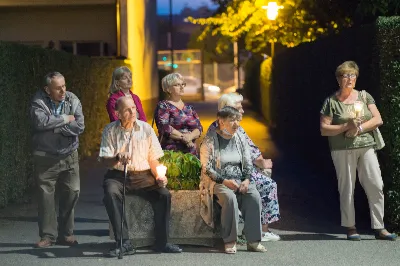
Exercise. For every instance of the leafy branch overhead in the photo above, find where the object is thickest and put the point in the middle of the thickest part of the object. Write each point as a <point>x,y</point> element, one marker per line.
<point>247,19</point>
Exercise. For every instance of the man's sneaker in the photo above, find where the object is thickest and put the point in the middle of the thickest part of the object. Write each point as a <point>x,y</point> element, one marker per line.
<point>44,243</point>
<point>269,236</point>
<point>127,249</point>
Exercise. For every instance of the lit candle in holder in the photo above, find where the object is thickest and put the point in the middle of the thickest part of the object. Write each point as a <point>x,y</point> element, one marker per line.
<point>161,170</point>
<point>358,106</point>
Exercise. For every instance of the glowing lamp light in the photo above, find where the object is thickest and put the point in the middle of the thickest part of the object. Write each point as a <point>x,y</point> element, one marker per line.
<point>214,88</point>
<point>358,106</point>
<point>161,170</point>
<point>272,10</point>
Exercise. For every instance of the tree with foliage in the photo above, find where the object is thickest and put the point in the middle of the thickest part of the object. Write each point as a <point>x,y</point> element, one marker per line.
<point>357,11</point>
<point>299,21</point>
<point>208,44</point>
<point>247,19</point>
<point>368,10</point>
<point>222,4</point>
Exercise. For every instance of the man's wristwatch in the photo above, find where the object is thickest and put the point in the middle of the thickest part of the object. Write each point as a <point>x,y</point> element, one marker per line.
<point>360,129</point>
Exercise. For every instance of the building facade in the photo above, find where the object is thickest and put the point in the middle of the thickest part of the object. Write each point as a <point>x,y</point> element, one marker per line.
<point>116,28</point>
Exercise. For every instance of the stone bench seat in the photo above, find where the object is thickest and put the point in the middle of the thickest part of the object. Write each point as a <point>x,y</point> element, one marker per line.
<point>186,225</point>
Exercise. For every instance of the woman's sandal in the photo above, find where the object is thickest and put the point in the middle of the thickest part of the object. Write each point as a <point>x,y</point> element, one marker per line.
<point>230,250</point>
<point>388,236</point>
<point>256,247</point>
<point>352,235</point>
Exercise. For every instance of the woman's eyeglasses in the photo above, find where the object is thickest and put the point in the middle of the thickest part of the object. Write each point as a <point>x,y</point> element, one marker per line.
<point>349,76</point>
<point>183,85</point>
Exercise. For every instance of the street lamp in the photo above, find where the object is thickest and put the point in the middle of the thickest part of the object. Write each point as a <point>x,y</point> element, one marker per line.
<point>171,35</point>
<point>272,12</point>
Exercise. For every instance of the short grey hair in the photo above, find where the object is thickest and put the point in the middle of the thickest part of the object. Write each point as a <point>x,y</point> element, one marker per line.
<point>229,99</point>
<point>170,80</point>
<point>50,76</point>
<point>117,74</point>
<point>229,112</point>
<point>346,68</point>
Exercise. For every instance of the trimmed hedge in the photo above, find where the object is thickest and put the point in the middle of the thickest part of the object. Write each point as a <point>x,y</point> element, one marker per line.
<point>303,76</point>
<point>265,89</point>
<point>22,69</point>
<point>388,71</point>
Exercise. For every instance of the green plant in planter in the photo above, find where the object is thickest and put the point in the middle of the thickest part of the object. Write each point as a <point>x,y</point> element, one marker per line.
<point>183,170</point>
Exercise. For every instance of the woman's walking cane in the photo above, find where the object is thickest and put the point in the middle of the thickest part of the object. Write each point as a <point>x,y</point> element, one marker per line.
<point>121,255</point>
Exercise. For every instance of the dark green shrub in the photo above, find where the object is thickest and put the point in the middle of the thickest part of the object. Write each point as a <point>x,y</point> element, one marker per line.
<point>265,89</point>
<point>388,71</point>
<point>183,170</point>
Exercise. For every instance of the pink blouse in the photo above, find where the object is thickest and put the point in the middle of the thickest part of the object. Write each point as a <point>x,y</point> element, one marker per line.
<point>113,99</point>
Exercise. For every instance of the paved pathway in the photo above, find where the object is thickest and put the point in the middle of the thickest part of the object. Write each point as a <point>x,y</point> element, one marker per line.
<point>309,225</point>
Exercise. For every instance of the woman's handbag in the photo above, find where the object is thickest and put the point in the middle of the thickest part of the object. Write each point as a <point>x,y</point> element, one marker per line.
<point>379,142</point>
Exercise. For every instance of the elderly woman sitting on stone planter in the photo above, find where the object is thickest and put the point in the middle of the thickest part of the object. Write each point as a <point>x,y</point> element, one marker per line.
<point>226,173</point>
<point>261,173</point>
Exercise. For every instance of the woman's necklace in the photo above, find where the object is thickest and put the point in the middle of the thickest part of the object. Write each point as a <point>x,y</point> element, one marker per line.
<point>179,104</point>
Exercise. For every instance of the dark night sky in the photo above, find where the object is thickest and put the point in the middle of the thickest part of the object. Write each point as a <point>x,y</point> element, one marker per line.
<point>177,5</point>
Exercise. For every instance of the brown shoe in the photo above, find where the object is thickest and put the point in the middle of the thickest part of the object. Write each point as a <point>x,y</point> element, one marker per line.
<point>67,241</point>
<point>44,243</point>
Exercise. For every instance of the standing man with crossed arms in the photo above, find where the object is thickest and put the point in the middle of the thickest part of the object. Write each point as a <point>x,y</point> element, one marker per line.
<point>58,121</point>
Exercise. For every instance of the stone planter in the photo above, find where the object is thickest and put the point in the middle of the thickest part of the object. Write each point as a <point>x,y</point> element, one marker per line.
<point>186,225</point>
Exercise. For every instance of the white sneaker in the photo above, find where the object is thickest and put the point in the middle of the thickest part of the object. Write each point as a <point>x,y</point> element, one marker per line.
<point>269,236</point>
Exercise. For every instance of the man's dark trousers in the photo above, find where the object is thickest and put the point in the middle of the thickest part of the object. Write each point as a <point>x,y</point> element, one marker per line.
<point>160,199</point>
<point>62,172</point>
